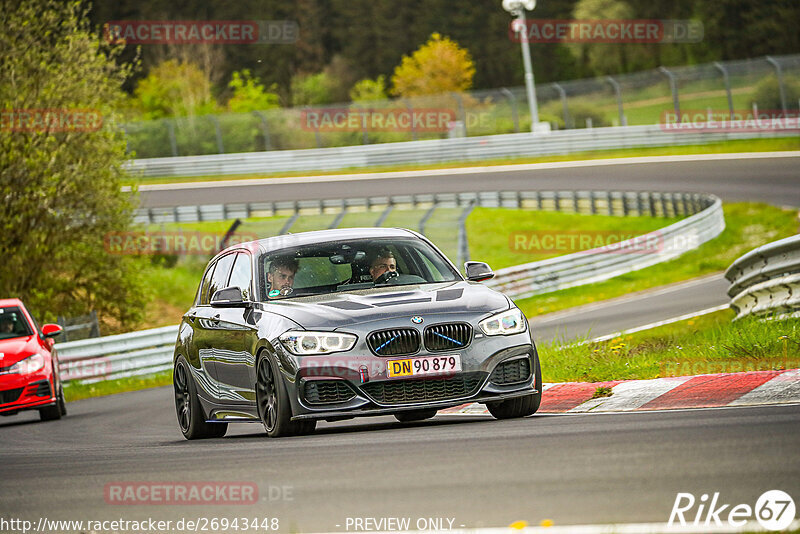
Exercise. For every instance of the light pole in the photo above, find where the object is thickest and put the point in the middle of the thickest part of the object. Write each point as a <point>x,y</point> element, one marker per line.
<point>517,8</point>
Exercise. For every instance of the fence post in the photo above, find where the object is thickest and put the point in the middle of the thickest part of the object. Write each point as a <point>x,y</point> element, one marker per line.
<point>720,67</point>
<point>411,114</point>
<point>618,90</point>
<point>463,243</point>
<point>779,74</point>
<point>562,94</point>
<point>218,131</point>
<point>173,143</point>
<point>461,112</point>
<point>514,112</point>
<point>673,86</point>
<point>264,129</point>
<point>316,129</point>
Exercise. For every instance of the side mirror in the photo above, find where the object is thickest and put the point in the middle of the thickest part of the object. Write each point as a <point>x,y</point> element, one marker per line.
<point>51,330</point>
<point>477,271</point>
<point>230,297</point>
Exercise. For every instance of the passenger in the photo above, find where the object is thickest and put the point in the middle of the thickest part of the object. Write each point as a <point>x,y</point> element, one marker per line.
<point>281,277</point>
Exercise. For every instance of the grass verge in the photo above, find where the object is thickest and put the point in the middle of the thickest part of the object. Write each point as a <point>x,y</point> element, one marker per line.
<point>747,225</point>
<point>744,145</point>
<point>702,345</point>
<point>75,391</point>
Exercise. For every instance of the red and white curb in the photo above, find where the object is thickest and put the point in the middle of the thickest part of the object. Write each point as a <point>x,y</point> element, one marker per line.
<point>701,391</point>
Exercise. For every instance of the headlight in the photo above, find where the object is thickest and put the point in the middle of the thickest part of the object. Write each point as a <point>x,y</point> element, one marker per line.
<point>29,365</point>
<point>503,324</point>
<point>304,343</point>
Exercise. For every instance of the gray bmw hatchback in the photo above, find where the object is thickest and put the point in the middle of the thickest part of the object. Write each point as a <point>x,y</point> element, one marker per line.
<point>337,324</point>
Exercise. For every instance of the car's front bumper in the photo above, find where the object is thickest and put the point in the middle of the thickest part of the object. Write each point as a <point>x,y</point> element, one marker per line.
<point>376,394</point>
<point>25,392</point>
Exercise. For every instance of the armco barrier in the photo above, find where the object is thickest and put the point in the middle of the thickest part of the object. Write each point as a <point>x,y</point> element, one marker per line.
<point>151,351</point>
<point>766,280</point>
<point>437,150</point>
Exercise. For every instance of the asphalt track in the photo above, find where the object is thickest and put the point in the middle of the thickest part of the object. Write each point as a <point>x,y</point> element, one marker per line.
<point>571,469</point>
<point>772,180</point>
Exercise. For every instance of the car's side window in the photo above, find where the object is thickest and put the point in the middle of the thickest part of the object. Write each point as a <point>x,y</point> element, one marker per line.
<point>219,280</point>
<point>242,274</point>
<point>204,285</point>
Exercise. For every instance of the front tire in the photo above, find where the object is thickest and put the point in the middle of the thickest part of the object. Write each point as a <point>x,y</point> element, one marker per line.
<point>52,412</point>
<point>273,404</point>
<point>520,406</point>
<point>191,418</point>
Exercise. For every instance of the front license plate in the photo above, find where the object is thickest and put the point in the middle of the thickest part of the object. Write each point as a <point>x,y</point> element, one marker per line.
<point>427,365</point>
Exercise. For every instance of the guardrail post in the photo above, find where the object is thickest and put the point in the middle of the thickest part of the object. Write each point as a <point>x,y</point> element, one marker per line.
<point>562,94</point>
<point>726,80</point>
<point>575,206</point>
<point>673,86</point>
<point>264,130</point>
<point>779,74</point>
<point>618,91</point>
<point>514,111</point>
<point>610,203</point>
<point>652,204</point>
<point>592,203</point>
<point>385,214</point>
<point>338,220</point>
<point>173,143</point>
<point>289,223</point>
<point>218,131</point>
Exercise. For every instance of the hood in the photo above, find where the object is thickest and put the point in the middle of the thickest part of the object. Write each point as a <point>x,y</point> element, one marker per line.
<point>15,349</point>
<point>342,309</point>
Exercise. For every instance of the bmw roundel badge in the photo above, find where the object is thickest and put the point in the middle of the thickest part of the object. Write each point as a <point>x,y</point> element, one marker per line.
<point>416,319</point>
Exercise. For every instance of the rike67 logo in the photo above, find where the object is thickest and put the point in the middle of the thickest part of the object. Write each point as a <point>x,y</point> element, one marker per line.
<point>774,510</point>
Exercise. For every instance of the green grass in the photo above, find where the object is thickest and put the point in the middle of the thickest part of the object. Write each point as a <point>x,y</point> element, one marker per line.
<point>75,391</point>
<point>744,145</point>
<point>748,225</point>
<point>494,233</point>
<point>703,345</point>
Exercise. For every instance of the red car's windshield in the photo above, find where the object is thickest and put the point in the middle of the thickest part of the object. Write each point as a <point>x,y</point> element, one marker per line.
<point>13,323</point>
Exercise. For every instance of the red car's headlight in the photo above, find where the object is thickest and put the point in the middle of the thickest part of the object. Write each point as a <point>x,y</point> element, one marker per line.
<point>29,365</point>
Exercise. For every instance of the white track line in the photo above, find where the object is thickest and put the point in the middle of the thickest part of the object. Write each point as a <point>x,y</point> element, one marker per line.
<point>660,323</point>
<point>464,170</point>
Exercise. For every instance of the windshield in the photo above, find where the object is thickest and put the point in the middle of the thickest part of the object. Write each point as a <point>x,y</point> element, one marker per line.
<point>349,265</point>
<point>13,323</point>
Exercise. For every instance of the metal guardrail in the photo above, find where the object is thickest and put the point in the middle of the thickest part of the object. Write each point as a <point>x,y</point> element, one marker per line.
<point>438,150</point>
<point>110,357</point>
<point>766,280</point>
<point>151,351</point>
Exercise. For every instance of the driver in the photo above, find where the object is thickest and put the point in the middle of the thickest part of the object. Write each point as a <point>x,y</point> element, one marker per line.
<point>383,263</point>
<point>281,277</point>
<point>6,325</point>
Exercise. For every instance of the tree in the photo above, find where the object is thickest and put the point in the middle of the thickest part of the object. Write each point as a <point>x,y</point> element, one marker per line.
<point>369,90</point>
<point>311,90</point>
<point>175,89</point>
<point>60,181</point>
<point>438,66</point>
<point>249,94</point>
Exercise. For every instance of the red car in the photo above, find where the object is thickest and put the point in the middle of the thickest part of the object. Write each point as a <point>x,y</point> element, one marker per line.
<point>29,377</point>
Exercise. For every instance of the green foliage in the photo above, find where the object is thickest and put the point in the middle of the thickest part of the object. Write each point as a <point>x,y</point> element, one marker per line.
<point>438,66</point>
<point>61,189</point>
<point>768,95</point>
<point>174,89</point>
<point>369,90</point>
<point>311,90</point>
<point>249,94</point>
